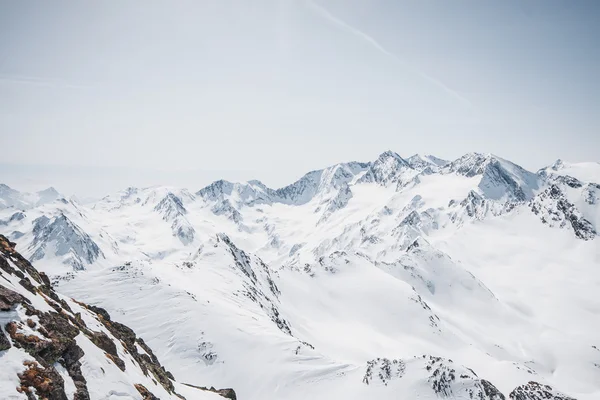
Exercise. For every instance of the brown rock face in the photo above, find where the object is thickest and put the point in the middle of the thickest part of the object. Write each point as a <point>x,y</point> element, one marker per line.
<point>48,384</point>
<point>146,394</point>
<point>537,391</point>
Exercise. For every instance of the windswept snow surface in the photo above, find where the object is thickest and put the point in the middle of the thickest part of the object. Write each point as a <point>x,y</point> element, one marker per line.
<point>352,281</point>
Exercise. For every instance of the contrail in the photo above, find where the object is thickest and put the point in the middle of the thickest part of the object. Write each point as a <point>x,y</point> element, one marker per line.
<point>324,13</point>
<point>36,81</point>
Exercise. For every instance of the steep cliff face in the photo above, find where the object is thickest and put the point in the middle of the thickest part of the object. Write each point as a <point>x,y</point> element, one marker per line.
<point>57,348</point>
<point>63,238</point>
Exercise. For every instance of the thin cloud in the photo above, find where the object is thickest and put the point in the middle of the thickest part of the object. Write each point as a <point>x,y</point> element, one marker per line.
<point>39,81</point>
<point>325,14</point>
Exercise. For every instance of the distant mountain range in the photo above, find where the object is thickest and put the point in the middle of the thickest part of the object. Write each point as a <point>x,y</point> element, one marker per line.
<point>395,278</point>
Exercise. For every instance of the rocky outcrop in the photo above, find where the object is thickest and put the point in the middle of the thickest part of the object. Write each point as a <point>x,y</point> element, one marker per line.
<point>259,285</point>
<point>145,393</point>
<point>384,370</point>
<point>449,380</point>
<point>537,391</point>
<point>445,378</point>
<point>47,336</point>
<point>226,393</point>
<point>491,391</point>
<point>553,208</point>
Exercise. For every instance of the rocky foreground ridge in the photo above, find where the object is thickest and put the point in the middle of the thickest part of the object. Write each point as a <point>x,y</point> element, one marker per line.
<point>52,345</point>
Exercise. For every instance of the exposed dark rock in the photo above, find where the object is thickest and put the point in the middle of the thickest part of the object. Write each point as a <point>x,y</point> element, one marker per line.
<point>490,391</point>
<point>116,360</point>
<point>4,342</point>
<point>99,311</point>
<point>7,249</point>
<point>227,393</point>
<point>45,279</point>
<point>9,298</point>
<point>147,362</point>
<point>102,340</point>
<point>47,382</point>
<point>384,369</point>
<point>146,394</point>
<point>569,181</point>
<point>70,360</point>
<point>537,391</point>
<point>554,209</point>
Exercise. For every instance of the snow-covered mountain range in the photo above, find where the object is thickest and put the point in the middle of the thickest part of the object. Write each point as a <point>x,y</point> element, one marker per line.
<point>396,278</point>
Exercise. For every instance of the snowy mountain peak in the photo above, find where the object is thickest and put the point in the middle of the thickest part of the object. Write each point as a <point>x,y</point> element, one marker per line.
<point>389,168</point>
<point>51,191</point>
<point>172,210</point>
<point>501,179</point>
<point>239,194</point>
<point>420,162</point>
<point>389,154</point>
<point>558,164</point>
<point>216,190</point>
<point>469,165</point>
<point>47,196</point>
<point>258,184</point>
<point>10,197</point>
<point>584,171</point>
<point>170,207</point>
<point>63,238</point>
<point>318,182</point>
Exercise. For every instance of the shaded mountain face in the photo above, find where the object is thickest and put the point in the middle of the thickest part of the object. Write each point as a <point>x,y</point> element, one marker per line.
<point>468,279</point>
<point>54,347</point>
<point>172,210</point>
<point>64,239</point>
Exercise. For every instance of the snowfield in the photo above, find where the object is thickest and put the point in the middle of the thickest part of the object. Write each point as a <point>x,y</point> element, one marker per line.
<point>410,278</point>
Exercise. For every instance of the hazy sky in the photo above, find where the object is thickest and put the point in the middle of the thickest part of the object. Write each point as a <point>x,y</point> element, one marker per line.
<point>272,89</point>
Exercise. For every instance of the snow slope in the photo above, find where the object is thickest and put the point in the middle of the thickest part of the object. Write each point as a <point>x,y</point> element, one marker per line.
<point>398,277</point>
<point>54,347</point>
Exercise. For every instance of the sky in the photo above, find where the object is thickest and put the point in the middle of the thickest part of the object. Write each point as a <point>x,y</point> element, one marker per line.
<point>97,96</point>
